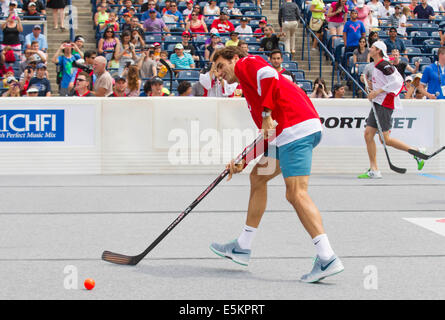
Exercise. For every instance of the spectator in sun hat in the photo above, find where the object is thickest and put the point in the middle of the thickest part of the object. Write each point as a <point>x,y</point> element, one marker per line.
<point>180,59</point>
<point>32,13</point>
<point>13,87</point>
<point>37,35</point>
<point>244,28</point>
<point>32,92</point>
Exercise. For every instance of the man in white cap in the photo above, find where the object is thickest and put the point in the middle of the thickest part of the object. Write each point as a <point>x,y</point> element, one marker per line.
<point>387,83</point>
<point>180,59</point>
<point>32,92</point>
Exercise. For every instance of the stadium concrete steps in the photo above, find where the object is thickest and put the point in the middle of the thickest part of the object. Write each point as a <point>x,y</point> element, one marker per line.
<point>83,24</point>
<point>303,64</point>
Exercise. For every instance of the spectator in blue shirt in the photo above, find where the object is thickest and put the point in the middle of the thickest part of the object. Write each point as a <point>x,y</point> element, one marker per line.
<point>36,35</point>
<point>424,11</point>
<point>150,5</point>
<point>393,42</point>
<point>432,83</point>
<point>353,31</point>
<point>40,81</point>
<point>65,63</point>
<point>173,17</point>
<point>181,60</point>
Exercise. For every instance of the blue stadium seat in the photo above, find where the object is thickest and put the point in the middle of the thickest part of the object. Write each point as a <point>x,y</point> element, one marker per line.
<point>306,85</point>
<point>422,60</point>
<point>299,75</point>
<point>188,75</point>
<point>290,66</point>
<point>248,39</point>
<point>413,50</point>
<point>428,45</point>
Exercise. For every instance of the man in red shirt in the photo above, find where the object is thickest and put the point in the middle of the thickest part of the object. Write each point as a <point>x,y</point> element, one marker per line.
<point>223,24</point>
<point>271,98</point>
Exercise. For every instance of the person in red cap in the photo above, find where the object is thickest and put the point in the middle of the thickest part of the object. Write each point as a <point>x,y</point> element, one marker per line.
<point>188,47</point>
<point>189,8</point>
<point>259,33</point>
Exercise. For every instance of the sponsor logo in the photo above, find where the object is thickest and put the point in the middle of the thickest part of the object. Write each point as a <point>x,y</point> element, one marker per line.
<point>360,122</point>
<point>32,125</point>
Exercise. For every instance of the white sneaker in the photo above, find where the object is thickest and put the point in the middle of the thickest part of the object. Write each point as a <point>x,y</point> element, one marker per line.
<point>323,269</point>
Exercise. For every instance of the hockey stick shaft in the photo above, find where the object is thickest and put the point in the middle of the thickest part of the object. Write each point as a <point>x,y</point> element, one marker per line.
<point>133,260</point>
<point>425,156</point>
<point>380,132</point>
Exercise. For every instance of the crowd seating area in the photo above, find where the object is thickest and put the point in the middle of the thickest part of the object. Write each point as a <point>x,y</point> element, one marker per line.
<point>199,40</point>
<point>422,41</point>
<point>18,10</point>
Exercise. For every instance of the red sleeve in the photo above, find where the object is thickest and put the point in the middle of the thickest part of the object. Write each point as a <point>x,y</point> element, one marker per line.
<point>232,28</point>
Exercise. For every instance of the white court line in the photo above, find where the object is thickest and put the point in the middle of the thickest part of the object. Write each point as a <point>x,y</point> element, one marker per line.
<point>436,225</point>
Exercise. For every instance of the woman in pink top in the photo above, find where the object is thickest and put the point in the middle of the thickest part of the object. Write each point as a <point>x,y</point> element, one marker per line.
<point>337,15</point>
<point>364,14</point>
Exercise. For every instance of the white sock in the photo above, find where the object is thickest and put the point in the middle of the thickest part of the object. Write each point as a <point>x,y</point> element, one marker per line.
<point>246,237</point>
<point>323,246</point>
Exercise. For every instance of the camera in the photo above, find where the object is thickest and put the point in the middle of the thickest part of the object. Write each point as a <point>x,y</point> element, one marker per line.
<point>128,64</point>
<point>83,67</point>
<point>206,68</point>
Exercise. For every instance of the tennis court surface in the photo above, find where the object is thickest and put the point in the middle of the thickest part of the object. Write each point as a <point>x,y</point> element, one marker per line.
<point>389,233</point>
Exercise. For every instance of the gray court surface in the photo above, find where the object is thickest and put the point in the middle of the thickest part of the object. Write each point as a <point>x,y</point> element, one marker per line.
<point>53,230</point>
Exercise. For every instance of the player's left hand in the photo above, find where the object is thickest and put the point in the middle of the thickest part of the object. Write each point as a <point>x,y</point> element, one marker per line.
<point>268,124</point>
<point>372,95</point>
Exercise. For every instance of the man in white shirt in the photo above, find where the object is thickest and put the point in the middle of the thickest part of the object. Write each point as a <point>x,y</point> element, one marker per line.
<point>386,11</point>
<point>244,28</point>
<point>436,5</point>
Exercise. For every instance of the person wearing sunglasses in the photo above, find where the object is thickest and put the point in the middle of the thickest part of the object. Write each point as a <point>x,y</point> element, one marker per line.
<point>81,87</point>
<point>173,16</point>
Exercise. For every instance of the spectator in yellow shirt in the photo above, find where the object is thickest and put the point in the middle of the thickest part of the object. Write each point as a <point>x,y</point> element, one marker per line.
<point>234,40</point>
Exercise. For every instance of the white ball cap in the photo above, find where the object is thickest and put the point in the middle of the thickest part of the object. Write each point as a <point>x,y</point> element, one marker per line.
<point>382,46</point>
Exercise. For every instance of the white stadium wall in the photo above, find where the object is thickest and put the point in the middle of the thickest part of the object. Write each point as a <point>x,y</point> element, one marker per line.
<point>189,135</point>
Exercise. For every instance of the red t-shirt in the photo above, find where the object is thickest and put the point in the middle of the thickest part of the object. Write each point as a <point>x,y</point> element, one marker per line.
<point>223,27</point>
<point>264,87</point>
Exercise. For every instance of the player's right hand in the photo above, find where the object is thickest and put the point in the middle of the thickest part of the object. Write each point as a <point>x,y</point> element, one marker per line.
<point>235,168</point>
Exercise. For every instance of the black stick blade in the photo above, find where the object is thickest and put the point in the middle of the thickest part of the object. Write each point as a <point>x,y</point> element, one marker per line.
<point>418,154</point>
<point>119,258</point>
<point>397,169</point>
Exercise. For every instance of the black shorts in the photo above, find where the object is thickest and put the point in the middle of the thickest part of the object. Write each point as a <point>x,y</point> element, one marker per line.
<point>384,115</point>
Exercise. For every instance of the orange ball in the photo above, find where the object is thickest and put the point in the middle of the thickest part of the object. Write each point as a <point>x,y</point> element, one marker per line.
<point>89,284</point>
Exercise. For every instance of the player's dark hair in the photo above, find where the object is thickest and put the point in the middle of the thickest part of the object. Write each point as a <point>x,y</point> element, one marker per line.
<point>275,51</point>
<point>229,52</point>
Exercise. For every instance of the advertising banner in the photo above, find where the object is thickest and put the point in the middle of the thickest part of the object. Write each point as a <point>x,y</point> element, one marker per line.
<point>344,126</point>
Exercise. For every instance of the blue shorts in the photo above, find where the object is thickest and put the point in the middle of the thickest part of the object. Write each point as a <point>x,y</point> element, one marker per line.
<point>295,157</point>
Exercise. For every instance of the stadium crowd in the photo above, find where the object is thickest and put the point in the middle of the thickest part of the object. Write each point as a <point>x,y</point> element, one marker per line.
<point>162,48</point>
